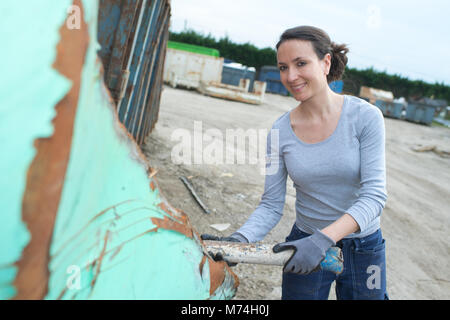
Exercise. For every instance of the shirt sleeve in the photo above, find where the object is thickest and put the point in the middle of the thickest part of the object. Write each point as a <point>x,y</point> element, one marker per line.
<point>372,193</point>
<point>270,209</point>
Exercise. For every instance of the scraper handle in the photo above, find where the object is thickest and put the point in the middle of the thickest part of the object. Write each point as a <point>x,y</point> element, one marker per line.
<point>260,253</point>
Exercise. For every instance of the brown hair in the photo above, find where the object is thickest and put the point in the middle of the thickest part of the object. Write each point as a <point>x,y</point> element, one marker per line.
<point>322,45</point>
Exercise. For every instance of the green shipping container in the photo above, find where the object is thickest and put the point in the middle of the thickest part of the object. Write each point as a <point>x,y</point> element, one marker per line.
<point>193,48</point>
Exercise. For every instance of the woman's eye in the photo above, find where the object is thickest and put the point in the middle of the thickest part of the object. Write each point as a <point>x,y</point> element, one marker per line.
<point>282,68</point>
<point>301,64</point>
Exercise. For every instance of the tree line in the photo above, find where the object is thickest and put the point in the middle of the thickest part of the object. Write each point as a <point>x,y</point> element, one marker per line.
<point>249,55</point>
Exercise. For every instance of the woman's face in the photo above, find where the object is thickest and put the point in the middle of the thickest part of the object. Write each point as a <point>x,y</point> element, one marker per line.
<point>301,71</point>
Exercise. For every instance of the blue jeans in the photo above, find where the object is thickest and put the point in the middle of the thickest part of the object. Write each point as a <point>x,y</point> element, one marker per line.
<point>363,278</point>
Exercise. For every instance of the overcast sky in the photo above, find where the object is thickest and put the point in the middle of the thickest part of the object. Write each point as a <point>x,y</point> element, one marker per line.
<point>406,37</point>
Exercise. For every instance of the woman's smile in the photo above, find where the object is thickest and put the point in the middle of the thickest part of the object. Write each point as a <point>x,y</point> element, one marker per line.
<point>298,87</point>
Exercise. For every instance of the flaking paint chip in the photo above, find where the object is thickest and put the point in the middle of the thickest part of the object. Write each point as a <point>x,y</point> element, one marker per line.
<point>220,226</point>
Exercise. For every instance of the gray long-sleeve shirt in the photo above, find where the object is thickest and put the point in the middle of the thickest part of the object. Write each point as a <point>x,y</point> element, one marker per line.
<point>345,173</point>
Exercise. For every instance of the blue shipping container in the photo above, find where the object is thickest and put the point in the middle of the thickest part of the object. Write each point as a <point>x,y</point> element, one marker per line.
<point>420,113</point>
<point>232,75</point>
<point>271,75</point>
<point>337,86</point>
<point>390,109</point>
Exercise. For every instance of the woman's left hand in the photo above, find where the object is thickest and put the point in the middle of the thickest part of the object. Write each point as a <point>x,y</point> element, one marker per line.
<point>309,252</point>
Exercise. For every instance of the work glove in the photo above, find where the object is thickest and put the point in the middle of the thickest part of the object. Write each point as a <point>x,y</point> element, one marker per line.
<point>235,237</point>
<point>308,252</point>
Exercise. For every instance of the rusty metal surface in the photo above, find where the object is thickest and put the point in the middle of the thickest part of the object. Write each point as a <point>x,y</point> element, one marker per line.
<point>91,202</point>
<point>47,172</point>
<point>134,35</point>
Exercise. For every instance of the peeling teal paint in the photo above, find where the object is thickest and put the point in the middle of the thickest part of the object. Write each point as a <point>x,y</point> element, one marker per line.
<point>104,244</point>
<point>29,90</point>
<point>105,170</point>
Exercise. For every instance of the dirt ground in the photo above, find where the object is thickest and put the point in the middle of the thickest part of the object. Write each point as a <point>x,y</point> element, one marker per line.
<point>415,222</point>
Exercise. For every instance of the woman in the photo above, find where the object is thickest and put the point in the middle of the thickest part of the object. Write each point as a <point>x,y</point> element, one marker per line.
<point>333,148</point>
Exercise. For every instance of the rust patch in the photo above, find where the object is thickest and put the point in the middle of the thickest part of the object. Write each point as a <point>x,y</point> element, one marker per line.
<point>164,207</point>
<point>170,224</point>
<point>216,274</point>
<point>45,176</point>
<point>180,215</point>
<point>217,270</point>
<point>236,278</point>
<point>152,172</point>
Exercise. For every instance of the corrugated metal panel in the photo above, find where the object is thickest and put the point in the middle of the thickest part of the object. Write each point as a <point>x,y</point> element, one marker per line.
<point>133,35</point>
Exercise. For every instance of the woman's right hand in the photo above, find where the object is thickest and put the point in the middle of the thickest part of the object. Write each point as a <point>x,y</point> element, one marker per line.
<point>235,237</point>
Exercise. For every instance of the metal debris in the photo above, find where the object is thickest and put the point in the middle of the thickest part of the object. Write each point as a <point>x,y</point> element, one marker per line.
<point>194,194</point>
